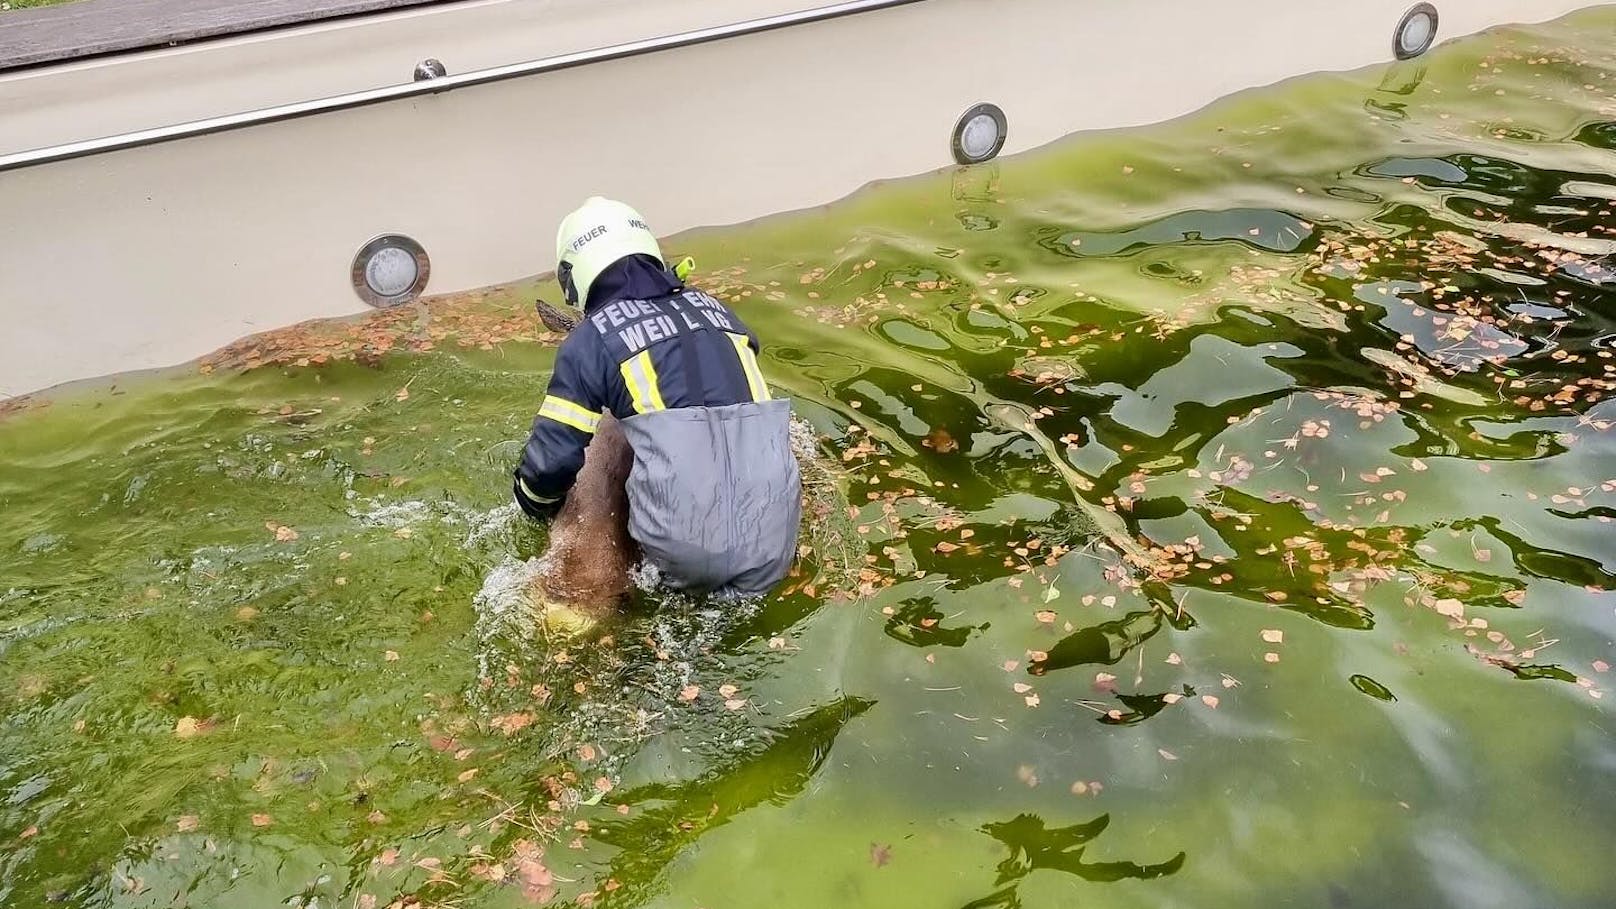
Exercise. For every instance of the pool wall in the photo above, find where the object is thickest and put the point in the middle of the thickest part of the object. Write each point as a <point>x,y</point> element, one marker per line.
<point>153,255</point>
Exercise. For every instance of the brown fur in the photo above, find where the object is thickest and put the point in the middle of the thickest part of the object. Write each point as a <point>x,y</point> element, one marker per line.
<point>586,565</point>
<point>590,553</point>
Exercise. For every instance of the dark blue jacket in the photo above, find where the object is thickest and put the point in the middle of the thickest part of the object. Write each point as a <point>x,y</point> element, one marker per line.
<point>645,344</point>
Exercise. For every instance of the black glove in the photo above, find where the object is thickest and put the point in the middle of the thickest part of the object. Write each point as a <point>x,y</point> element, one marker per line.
<point>534,508</point>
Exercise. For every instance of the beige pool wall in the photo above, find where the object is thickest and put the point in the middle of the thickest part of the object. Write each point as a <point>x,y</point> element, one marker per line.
<point>152,256</point>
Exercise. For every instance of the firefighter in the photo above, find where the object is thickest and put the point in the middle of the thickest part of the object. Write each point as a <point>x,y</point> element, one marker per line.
<point>714,492</point>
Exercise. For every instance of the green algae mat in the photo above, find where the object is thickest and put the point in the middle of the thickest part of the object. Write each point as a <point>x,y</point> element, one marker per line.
<point>1227,521</point>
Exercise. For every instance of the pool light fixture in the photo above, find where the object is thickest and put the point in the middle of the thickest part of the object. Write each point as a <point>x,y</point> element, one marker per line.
<point>1416,31</point>
<point>979,134</point>
<point>390,270</point>
<point>430,68</point>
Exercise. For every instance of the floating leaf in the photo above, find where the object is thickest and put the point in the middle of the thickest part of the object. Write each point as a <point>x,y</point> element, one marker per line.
<point>512,723</point>
<point>1450,607</point>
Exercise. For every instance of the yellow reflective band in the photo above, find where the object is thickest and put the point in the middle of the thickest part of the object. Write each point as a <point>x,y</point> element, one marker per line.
<point>749,364</point>
<point>567,413</point>
<point>532,496</point>
<point>641,377</point>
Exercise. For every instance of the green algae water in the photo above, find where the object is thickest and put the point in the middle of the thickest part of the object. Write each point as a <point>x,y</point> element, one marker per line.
<point>1227,515</point>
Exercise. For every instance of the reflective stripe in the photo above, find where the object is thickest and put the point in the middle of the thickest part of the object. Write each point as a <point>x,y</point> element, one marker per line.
<point>749,364</point>
<point>567,413</point>
<point>531,496</point>
<point>641,378</point>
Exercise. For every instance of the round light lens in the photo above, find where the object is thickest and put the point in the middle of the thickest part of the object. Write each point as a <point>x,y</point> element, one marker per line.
<point>979,134</point>
<point>1416,32</point>
<point>391,271</point>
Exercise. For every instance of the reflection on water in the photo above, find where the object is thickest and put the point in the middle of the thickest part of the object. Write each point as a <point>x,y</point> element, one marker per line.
<point>1226,518</point>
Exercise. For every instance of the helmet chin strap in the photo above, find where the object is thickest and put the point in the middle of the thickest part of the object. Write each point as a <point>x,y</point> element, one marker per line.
<point>569,290</point>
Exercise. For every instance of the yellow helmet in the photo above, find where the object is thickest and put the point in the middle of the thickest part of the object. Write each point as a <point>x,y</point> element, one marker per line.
<point>594,236</point>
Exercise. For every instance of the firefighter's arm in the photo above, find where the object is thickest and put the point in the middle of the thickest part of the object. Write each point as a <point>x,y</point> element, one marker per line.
<point>565,423</point>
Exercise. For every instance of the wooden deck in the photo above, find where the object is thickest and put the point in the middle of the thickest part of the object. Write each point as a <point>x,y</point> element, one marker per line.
<point>88,28</point>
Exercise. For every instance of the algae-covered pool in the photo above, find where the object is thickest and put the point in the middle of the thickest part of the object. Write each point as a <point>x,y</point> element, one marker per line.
<point>1228,523</point>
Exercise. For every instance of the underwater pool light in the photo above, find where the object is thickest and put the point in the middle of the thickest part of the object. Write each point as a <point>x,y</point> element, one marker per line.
<point>979,134</point>
<point>1416,31</point>
<point>390,270</point>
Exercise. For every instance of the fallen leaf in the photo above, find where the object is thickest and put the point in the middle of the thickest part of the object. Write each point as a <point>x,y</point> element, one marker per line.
<point>1021,687</point>
<point>512,724</point>
<point>1172,698</point>
<point>403,394</point>
<point>390,656</point>
<point>388,857</point>
<point>262,820</point>
<point>1450,607</point>
<point>1032,700</point>
<point>466,775</point>
<point>735,703</point>
<point>30,833</point>
<point>1168,755</point>
<point>1174,659</point>
<point>603,784</point>
<point>283,534</point>
<point>367,901</point>
<point>1601,666</point>
<point>376,817</point>
<point>586,752</point>
<point>880,855</point>
<point>1044,616</point>
<point>1210,701</point>
<point>1273,636</point>
<point>1010,665</point>
<point>187,728</point>
<point>689,693</point>
<point>187,823</point>
<point>1270,657</point>
<point>727,691</point>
